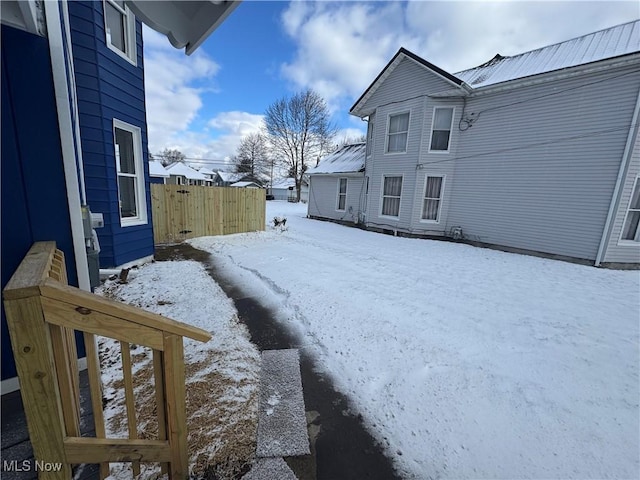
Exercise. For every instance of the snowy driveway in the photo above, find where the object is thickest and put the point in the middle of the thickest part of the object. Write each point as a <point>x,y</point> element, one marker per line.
<point>464,362</point>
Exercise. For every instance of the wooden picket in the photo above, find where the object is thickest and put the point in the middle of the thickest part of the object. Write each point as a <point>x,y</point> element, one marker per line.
<point>181,212</point>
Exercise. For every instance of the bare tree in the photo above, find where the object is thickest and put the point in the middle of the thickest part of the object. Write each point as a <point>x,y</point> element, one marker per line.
<point>300,132</point>
<point>252,156</point>
<point>169,156</point>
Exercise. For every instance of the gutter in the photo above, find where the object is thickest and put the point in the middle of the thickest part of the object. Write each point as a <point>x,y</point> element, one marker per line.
<point>622,174</point>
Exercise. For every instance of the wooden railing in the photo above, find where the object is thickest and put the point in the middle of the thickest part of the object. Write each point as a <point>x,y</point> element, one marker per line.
<point>42,313</point>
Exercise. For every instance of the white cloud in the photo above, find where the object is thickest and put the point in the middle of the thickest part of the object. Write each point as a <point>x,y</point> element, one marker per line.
<point>341,47</point>
<point>172,99</point>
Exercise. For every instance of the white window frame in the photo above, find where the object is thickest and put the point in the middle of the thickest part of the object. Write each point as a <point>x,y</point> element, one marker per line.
<point>140,190</point>
<point>346,187</point>
<point>386,138</point>
<point>636,239</point>
<point>433,124</point>
<point>382,195</point>
<point>424,197</point>
<point>130,53</point>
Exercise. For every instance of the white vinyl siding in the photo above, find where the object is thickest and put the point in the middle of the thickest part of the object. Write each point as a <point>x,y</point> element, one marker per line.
<point>631,226</point>
<point>397,133</point>
<point>342,195</point>
<point>120,29</point>
<point>432,201</point>
<point>130,170</point>
<point>441,129</point>
<point>391,195</point>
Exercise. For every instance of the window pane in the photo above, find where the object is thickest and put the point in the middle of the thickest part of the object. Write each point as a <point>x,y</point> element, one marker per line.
<point>635,198</point>
<point>440,140</point>
<point>399,123</point>
<point>115,27</point>
<point>397,142</point>
<point>127,190</point>
<point>430,209</point>
<point>343,185</point>
<point>433,187</point>
<point>390,206</point>
<point>341,201</point>
<point>392,186</point>
<point>442,120</point>
<point>630,230</point>
<point>124,141</point>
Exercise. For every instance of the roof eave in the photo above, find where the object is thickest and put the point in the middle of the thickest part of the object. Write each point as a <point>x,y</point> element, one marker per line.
<point>174,19</point>
<point>357,110</point>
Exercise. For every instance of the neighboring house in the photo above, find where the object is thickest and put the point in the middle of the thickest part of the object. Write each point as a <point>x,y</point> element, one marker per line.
<point>337,185</point>
<point>224,179</point>
<point>157,172</point>
<point>245,185</point>
<point>74,130</point>
<point>535,153</point>
<point>182,174</point>
<point>208,173</point>
<point>285,189</point>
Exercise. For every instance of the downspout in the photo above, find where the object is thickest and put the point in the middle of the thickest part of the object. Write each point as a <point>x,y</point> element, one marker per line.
<point>622,173</point>
<point>61,85</point>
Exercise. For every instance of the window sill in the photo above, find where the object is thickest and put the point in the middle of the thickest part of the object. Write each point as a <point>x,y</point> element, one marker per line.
<point>439,152</point>
<point>133,222</point>
<point>121,54</point>
<point>388,217</point>
<point>628,243</point>
<point>432,222</point>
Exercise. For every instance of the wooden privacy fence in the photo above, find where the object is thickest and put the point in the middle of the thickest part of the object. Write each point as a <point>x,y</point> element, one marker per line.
<point>42,313</point>
<point>181,211</point>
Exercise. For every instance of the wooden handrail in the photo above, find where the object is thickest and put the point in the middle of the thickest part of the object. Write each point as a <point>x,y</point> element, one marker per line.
<point>42,314</point>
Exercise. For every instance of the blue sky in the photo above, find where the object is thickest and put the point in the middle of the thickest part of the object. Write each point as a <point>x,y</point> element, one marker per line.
<point>204,104</point>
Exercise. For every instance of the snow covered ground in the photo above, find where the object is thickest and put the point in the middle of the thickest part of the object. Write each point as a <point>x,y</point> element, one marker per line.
<point>464,362</point>
<point>222,374</point>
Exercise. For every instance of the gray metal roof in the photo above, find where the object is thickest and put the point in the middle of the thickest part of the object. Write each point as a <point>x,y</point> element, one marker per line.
<point>347,159</point>
<point>609,43</point>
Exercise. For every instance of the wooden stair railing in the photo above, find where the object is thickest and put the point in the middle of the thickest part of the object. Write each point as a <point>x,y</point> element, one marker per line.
<point>42,313</point>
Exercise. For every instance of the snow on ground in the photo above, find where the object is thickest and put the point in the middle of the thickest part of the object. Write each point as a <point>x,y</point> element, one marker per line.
<point>222,374</point>
<point>465,362</point>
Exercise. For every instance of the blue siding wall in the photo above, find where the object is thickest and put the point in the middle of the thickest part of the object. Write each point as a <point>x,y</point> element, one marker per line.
<point>34,199</point>
<point>108,87</point>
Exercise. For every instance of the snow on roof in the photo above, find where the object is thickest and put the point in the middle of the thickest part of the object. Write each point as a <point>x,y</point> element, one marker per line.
<point>245,184</point>
<point>349,158</point>
<point>608,43</point>
<point>206,171</point>
<point>230,176</point>
<point>156,169</point>
<point>179,168</point>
